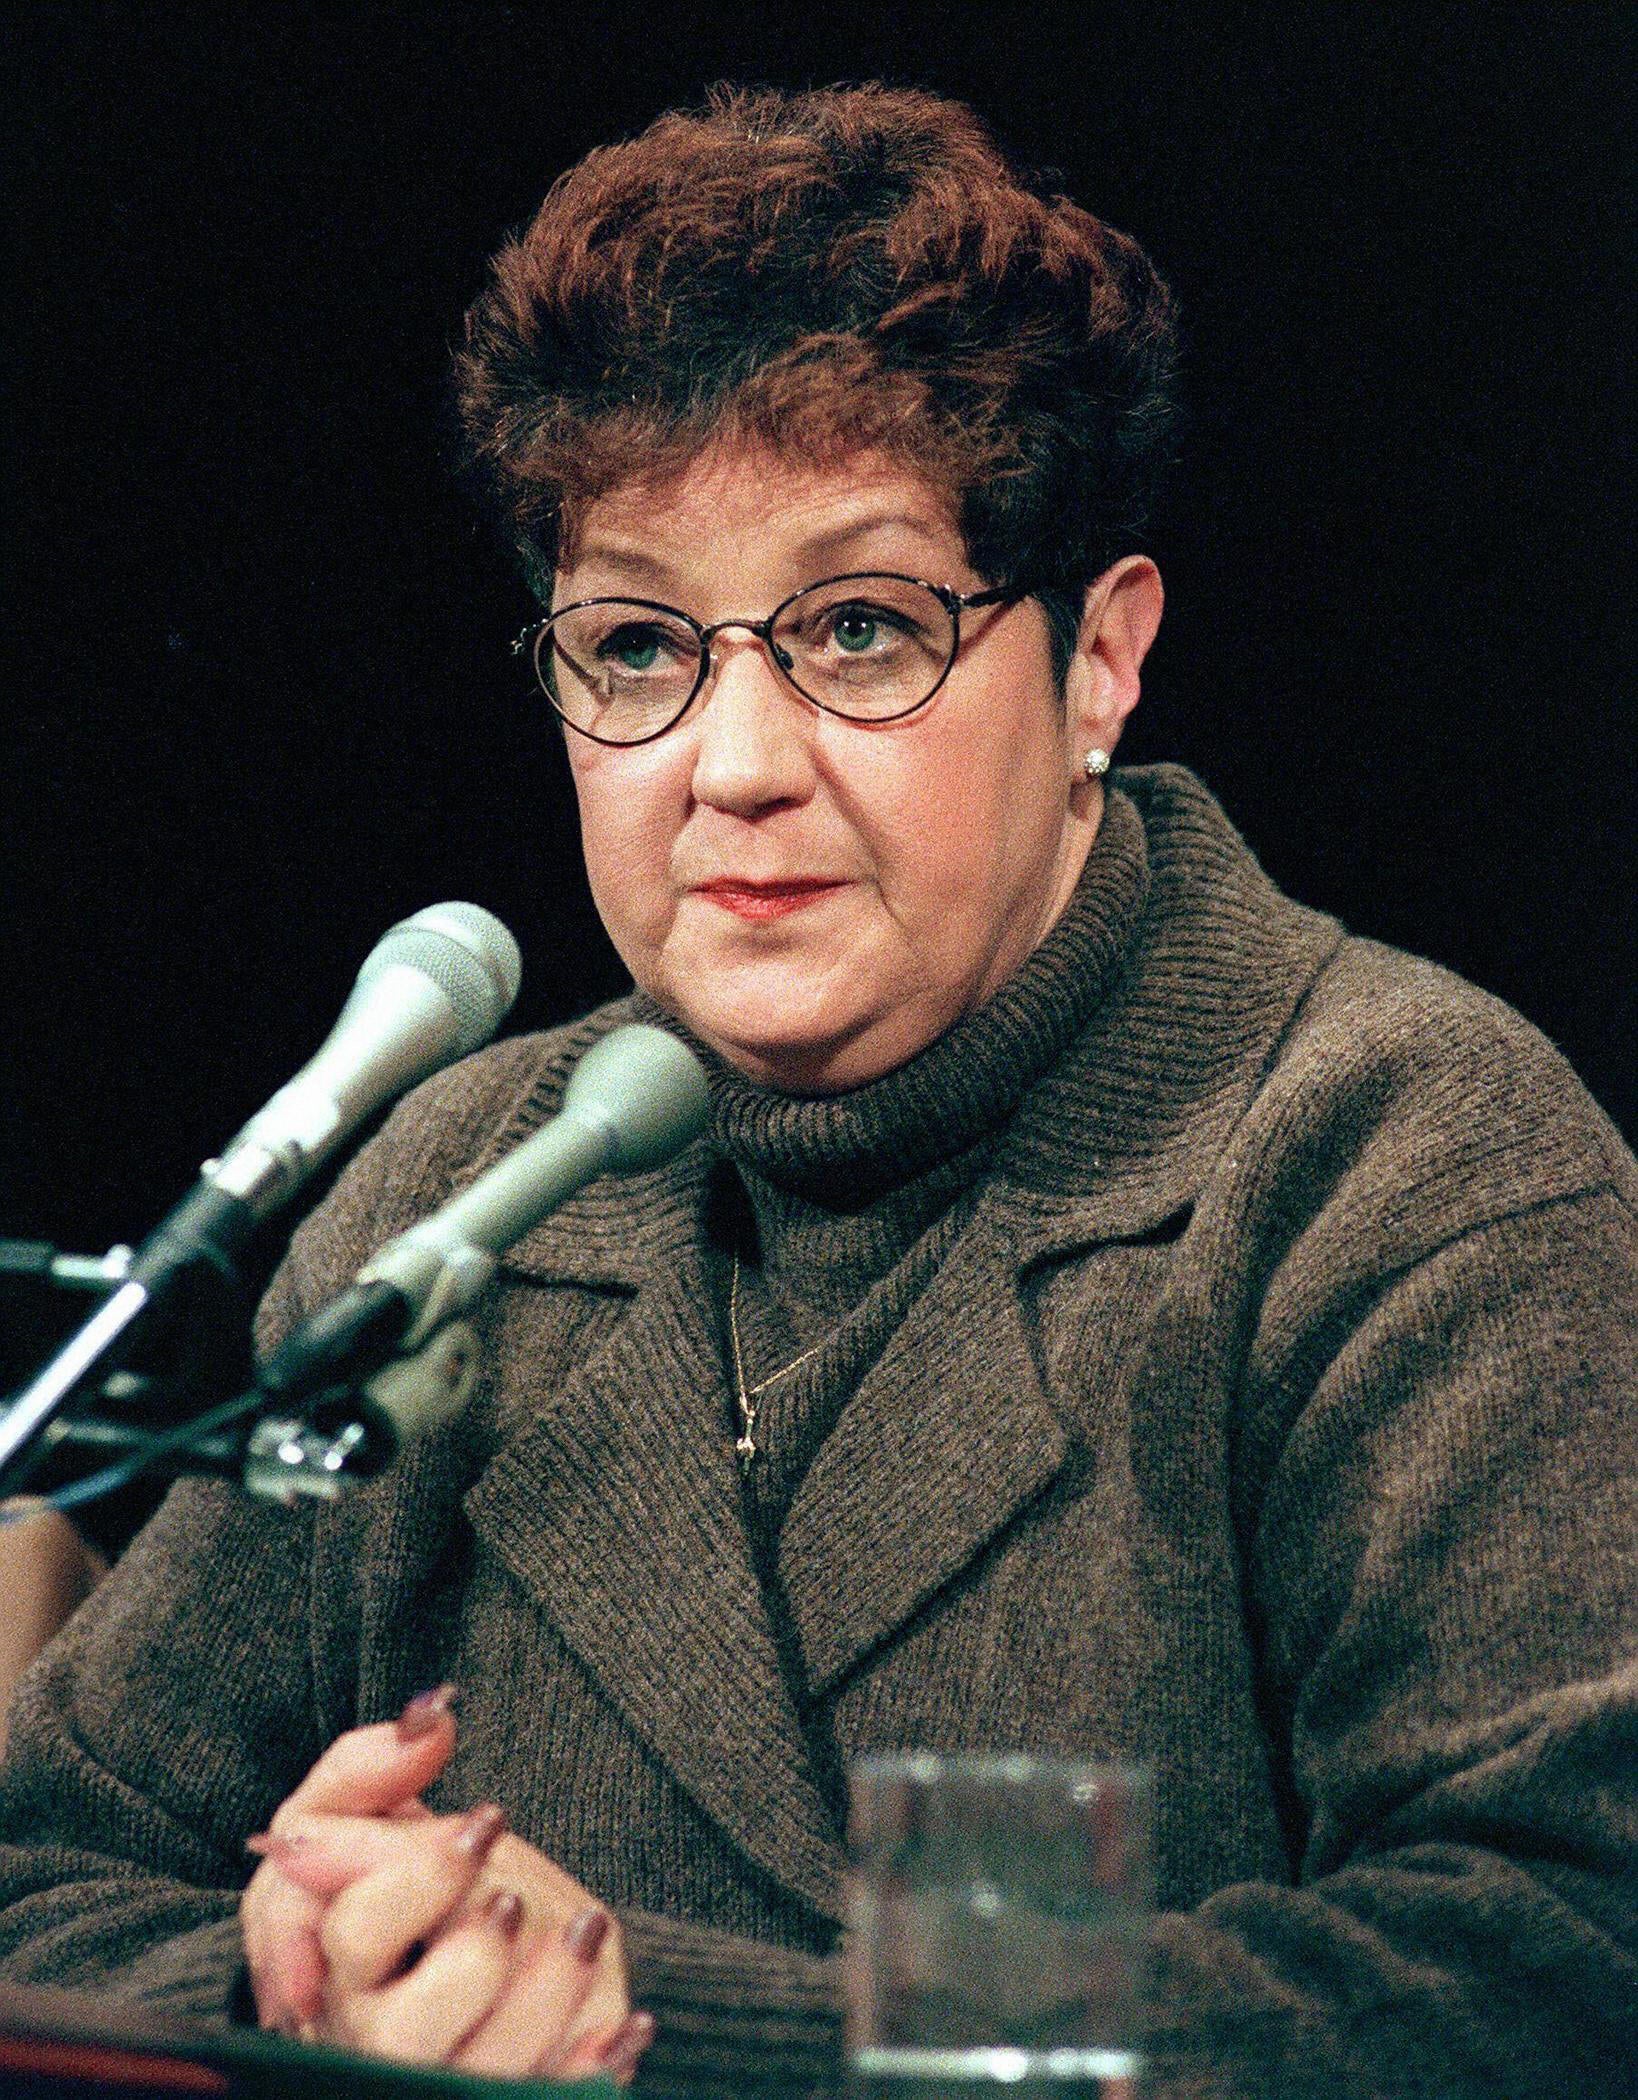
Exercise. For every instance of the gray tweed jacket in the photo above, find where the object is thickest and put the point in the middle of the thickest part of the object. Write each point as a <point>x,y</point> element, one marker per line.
<point>1269,1419</point>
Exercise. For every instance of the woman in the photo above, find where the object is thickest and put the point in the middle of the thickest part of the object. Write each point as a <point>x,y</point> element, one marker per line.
<point>1115,1312</point>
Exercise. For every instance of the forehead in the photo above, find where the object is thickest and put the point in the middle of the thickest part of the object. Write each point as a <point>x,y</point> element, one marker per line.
<point>746,499</point>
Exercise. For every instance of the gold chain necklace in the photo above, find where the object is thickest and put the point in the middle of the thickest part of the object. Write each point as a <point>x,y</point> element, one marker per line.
<point>745,1444</point>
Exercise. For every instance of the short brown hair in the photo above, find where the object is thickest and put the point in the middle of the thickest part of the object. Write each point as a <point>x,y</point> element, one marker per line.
<point>825,270</point>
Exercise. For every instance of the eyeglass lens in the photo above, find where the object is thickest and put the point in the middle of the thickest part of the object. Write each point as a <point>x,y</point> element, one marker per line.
<point>867,647</point>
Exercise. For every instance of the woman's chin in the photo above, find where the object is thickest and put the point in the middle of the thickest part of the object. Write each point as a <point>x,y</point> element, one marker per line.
<point>813,1030</point>
<point>773,1041</point>
<point>791,1061</point>
<point>805,1058</point>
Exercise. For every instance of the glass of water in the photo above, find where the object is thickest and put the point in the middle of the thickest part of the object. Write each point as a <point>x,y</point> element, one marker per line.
<point>997,1910</point>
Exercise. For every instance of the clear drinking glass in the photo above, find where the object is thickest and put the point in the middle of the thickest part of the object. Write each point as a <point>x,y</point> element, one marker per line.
<point>996,1924</point>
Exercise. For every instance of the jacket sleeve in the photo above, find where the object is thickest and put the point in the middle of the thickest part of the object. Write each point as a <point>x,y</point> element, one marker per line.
<point>166,1723</point>
<point>1442,1570</point>
<point>733,2015</point>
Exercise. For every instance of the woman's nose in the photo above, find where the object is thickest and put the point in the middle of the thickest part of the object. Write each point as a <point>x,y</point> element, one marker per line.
<point>752,750</point>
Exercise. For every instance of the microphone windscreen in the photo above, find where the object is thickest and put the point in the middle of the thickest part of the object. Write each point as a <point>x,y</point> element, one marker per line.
<point>468,954</point>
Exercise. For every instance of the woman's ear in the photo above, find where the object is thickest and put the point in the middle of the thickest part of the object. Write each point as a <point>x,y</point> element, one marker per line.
<point>1118,623</point>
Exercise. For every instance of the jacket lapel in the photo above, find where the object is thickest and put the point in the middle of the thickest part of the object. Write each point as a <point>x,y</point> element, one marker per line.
<point>952,1432</point>
<point>948,1437</point>
<point>616,1508</point>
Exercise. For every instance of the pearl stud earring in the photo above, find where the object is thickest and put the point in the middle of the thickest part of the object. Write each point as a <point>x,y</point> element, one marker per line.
<point>1096,763</point>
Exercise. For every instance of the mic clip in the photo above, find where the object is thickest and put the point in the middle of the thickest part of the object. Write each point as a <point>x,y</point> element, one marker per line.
<point>439,1277</point>
<point>351,1433</point>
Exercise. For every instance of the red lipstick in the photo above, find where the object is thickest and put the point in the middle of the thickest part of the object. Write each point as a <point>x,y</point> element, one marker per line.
<point>764,900</point>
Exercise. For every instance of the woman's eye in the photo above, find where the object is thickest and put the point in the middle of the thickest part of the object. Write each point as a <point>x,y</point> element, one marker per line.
<point>855,628</point>
<point>632,648</point>
<point>863,630</point>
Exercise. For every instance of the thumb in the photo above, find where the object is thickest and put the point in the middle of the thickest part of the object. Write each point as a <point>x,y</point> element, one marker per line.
<point>381,1768</point>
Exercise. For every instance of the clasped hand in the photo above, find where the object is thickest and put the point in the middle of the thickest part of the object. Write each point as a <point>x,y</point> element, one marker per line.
<point>378,1926</point>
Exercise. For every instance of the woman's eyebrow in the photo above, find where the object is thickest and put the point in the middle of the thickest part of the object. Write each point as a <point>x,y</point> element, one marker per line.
<point>630,561</point>
<point>860,528</point>
<point>642,564</point>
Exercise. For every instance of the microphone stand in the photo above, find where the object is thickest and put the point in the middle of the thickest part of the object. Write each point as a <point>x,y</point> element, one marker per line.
<point>206,1351</point>
<point>389,1360</point>
<point>69,1272</point>
<point>189,1261</point>
<point>277,1449</point>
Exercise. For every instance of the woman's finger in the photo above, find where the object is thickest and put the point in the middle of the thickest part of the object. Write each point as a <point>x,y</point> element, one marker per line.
<point>279,1923</point>
<point>373,1928</point>
<point>327,1853</point>
<point>552,1897</point>
<point>559,1908</point>
<point>589,2057</point>
<point>372,1770</point>
<point>559,2017</point>
<point>619,2056</point>
<point>537,2015</point>
<point>451,1989</point>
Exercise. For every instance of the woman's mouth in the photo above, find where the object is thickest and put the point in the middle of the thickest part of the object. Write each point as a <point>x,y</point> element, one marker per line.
<point>765,900</point>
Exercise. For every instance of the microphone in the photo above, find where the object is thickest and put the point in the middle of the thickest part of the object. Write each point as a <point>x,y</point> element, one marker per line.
<point>635,1100</point>
<point>432,989</point>
<point>435,987</point>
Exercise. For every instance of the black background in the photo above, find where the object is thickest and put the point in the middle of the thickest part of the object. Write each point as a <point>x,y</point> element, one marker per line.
<point>260,702</point>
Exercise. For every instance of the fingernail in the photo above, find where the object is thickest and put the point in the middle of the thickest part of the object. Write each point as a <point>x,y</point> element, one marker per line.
<point>504,1910</point>
<point>587,1930</point>
<point>268,1844</point>
<point>424,1712</point>
<point>478,1830</point>
<point>629,2043</point>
